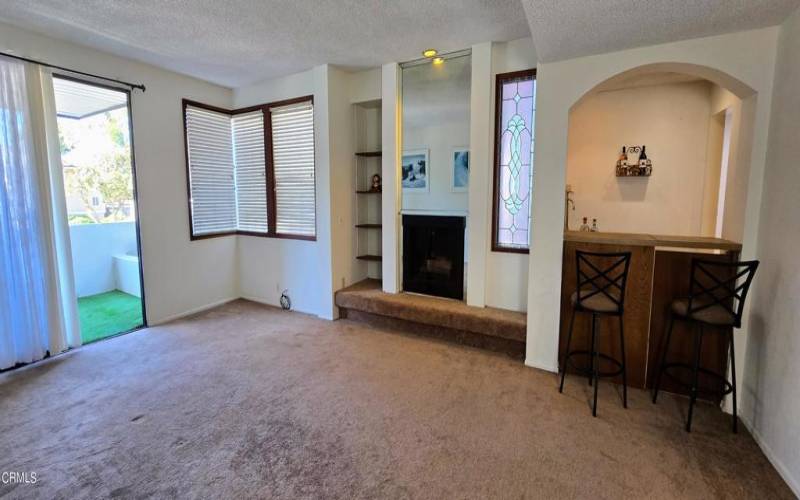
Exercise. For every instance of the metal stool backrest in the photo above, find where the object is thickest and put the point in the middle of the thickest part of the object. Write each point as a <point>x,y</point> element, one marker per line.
<point>714,284</point>
<point>602,273</point>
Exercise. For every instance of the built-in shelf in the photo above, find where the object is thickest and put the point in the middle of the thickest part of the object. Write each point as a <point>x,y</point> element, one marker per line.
<point>370,226</point>
<point>369,154</point>
<point>375,258</point>
<point>367,191</point>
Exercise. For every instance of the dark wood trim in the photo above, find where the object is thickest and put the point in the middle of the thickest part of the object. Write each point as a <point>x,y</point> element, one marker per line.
<point>370,154</point>
<point>196,104</point>
<point>272,200</point>
<point>269,166</point>
<point>499,79</point>
<point>270,173</point>
<point>304,237</point>
<point>294,100</point>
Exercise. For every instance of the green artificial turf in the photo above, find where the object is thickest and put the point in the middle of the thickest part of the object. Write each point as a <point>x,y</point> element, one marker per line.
<point>107,314</point>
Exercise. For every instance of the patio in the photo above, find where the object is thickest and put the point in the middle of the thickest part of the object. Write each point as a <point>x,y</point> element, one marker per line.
<point>106,314</point>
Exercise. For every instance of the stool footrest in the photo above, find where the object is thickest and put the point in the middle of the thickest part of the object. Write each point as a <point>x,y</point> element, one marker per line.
<point>615,362</point>
<point>727,387</point>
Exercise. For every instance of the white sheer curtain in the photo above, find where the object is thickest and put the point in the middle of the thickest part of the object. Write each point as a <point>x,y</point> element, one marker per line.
<point>35,315</point>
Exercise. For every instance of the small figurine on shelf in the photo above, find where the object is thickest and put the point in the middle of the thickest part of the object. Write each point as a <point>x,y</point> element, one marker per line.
<point>585,226</point>
<point>376,183</point>
<point>594,226</point>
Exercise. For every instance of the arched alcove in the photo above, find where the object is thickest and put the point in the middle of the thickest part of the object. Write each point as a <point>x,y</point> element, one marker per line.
<point>690,118</point>
<point>734,62</point>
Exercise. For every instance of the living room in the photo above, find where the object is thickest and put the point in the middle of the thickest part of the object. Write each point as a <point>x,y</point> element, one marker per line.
<point>365,259</point>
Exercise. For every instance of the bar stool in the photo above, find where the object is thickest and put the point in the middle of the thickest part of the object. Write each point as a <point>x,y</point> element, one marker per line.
<point>601,280</point>
<point>714,299</point>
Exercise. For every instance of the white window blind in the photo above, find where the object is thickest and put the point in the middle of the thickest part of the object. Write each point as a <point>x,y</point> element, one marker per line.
<point>293,163</point>
<point>211,171</point>
<point>250,163</point>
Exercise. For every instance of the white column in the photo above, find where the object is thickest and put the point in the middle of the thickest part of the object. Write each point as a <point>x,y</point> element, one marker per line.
<point>391,129</point>
<point>547,235</point>
<point>322,166</point>
<point>480,182</point>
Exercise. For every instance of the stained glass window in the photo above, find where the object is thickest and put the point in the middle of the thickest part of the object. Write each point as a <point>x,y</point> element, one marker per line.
<point>516,112</point>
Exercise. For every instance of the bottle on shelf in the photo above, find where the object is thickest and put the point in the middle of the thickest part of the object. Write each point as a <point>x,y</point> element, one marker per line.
<point>594,225</point>
<point>622,163</point>
<point>585,226</point>
<point>645,165</point>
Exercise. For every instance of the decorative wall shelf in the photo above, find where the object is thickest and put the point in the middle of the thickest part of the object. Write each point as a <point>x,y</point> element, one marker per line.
<point>634,162</point>
<point>367,191</point>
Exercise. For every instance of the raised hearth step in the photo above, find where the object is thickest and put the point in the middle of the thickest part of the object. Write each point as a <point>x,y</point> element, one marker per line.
<point>367,296</point>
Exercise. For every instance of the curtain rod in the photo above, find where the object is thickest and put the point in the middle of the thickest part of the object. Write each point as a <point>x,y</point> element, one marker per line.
<point>62,68</point>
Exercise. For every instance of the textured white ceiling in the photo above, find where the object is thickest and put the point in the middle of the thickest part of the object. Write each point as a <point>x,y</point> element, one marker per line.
<point>237,42</point>
<point>563,29</point>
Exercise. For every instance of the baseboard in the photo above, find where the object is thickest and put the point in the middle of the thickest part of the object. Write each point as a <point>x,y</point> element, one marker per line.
<point>541,366</point>
<point>267,302</point>
<point>794,483</point>
<point>190,312</point>
<point>260,300</point>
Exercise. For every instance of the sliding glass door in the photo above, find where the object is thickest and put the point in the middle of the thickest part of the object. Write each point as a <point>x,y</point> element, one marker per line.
<point>94,129</point>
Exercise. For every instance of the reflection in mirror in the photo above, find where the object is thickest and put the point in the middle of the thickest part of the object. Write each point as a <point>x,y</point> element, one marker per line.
<point>435,160</point>
<point>435,174</point>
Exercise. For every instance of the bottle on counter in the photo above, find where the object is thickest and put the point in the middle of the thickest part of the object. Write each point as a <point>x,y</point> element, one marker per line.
<point>585,226</point>
<point>594,225</point>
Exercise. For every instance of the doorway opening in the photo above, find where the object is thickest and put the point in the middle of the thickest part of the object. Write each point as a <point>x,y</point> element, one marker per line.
<point>94,128</point>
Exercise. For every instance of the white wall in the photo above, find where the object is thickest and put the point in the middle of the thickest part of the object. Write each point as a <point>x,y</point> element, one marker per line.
<point>179,275</point>
<point>341,116</point>
<point>742,62</point>
<point>391,139</point>
<point>672,121</point>
<point>93,248</point>
<point>312,270</point>
<point>267,266</point>
<point>506,273</point>
<point>494,279</point>
<point>770,392</point>
<point>480,175</point>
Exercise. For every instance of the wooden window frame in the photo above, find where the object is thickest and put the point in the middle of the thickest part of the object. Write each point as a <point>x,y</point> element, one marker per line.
<point>498,92</point>
<point>266,108</point>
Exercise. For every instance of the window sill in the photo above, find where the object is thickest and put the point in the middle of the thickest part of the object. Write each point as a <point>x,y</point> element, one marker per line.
<point>257,235</point>
<point>500,249</point>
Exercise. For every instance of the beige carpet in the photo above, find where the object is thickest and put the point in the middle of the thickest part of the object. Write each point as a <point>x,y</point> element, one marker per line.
<point>252,402</point>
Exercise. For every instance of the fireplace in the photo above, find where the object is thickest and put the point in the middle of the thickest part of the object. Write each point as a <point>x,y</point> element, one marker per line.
<point>433,255</point>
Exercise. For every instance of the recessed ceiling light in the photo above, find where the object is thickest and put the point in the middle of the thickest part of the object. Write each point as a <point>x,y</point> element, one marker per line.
<point>429,52</point>
<point>438,60</point>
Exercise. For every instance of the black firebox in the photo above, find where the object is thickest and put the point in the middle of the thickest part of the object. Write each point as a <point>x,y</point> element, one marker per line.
<point>433,255</point>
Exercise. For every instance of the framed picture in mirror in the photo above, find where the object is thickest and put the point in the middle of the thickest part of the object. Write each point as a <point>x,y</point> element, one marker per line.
<point>459,169</point>
<point>415,170</point>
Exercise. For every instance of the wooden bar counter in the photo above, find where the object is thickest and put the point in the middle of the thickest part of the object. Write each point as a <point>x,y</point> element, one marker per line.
<point>659,273</point>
